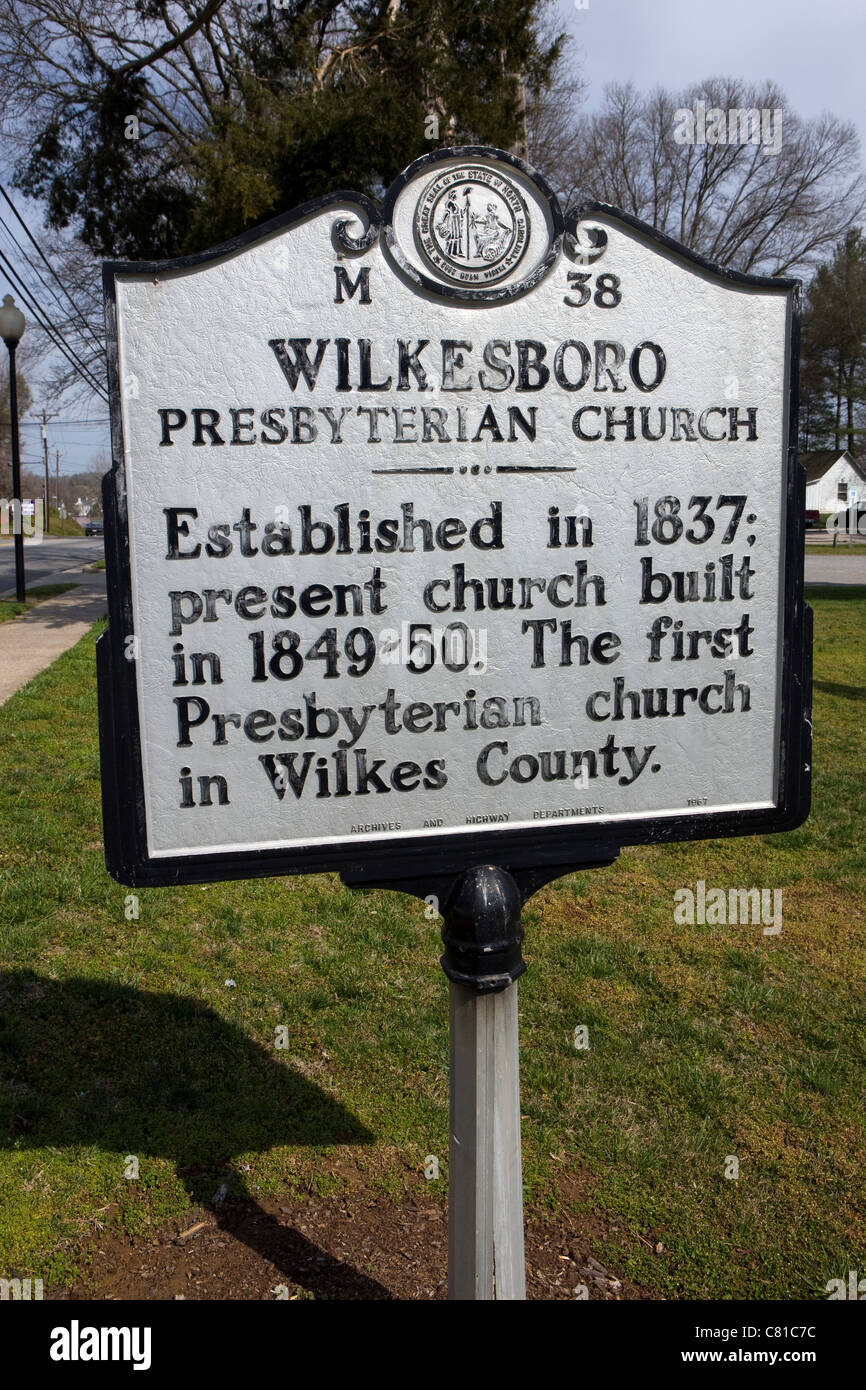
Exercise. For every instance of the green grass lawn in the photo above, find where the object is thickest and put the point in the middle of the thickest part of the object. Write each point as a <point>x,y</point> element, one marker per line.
<point>66,527</point>
<point>120,1037</point>
<point>855,548</point>
<point>63,526</point>
<point>11,608</point>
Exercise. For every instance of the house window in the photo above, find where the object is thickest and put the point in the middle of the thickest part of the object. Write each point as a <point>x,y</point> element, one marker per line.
<point>842,492</point>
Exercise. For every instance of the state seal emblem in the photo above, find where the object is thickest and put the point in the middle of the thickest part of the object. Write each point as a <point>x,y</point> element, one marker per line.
<point>472,225</point>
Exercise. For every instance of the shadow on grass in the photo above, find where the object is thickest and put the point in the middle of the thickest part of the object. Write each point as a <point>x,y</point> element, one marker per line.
<point>830,592</point>
<point>87,1062</point>
<point>847,692</point>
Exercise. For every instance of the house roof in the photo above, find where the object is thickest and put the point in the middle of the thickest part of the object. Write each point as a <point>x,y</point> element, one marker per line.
<point>821,461</point>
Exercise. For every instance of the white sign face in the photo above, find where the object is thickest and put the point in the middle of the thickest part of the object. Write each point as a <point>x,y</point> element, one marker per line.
<point>472,529</point>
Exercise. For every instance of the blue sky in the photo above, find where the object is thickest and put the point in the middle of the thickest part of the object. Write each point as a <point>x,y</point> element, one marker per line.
<point>814,51</point>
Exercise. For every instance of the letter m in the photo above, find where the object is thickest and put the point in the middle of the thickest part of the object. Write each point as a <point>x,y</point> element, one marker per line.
<point>344,283</point>
<point>742,902</point>
<point>744,126</point>
<point>115,1344</point>
<point>20,1289</point>
<point>298,363</point>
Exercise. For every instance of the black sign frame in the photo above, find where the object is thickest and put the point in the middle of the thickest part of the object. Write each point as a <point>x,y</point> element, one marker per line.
<point>533,853</point>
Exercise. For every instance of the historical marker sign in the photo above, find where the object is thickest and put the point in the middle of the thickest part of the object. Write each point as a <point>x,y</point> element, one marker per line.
<point>457,528</point>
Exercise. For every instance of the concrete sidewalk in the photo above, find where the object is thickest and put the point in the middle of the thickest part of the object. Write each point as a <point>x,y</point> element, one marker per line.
<point>30,643</point>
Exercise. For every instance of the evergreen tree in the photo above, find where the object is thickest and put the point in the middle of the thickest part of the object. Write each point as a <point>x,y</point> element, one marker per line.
<point>833,360</point>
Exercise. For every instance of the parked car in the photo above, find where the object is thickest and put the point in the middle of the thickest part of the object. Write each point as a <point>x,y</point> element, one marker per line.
<point>93,528</point>
<point>813,517</point>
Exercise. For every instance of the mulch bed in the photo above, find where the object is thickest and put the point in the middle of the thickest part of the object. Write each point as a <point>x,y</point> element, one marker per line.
<point>347,1246</point>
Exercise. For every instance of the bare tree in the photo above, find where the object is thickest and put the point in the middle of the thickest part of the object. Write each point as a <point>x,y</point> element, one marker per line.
<point>77,312</point>
<point>67,62</point>
<point>740,200</point>
<point>57,283</point>
<point>149,127</point>
<point>53,52</point>
<point>553,122</point>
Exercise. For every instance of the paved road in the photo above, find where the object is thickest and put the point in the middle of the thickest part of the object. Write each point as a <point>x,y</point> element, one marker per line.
<point>47,559</point>
<point>836,569</point>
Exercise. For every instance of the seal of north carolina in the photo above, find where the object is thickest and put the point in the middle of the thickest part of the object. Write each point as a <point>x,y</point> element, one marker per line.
<point>472,225</point>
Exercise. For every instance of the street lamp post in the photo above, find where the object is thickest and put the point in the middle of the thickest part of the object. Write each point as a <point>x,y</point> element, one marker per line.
<point>11,328</point>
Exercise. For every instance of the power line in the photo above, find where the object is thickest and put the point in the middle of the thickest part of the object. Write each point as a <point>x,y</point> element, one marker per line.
<point>49,327</point>
<point>53,420</point>
<point>53,332</point>
<point>48,324</point>
<point>37,306</point>
<point>42,254</point>
<point>50,288</point>
<point>70,326</point>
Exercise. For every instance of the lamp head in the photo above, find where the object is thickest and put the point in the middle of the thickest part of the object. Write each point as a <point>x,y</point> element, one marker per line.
<point>12,322</point>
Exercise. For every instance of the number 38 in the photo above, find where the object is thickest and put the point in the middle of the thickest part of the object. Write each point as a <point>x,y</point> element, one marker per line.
<point>607,293</point>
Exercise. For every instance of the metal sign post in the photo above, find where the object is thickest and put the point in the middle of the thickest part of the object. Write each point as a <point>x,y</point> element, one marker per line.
<point>482,960</point>
<point>485,1191</point>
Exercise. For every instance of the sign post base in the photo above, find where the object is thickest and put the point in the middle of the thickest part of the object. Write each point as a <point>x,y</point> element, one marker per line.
<point>482,935</point>
<point>485,1187</point>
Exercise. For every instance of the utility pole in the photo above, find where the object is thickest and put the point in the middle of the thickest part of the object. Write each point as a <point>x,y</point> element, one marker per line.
<point>57,479</point>
<point>47,484</point>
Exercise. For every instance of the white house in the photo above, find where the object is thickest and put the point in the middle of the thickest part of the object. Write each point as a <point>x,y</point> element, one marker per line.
<point>830,478</point>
